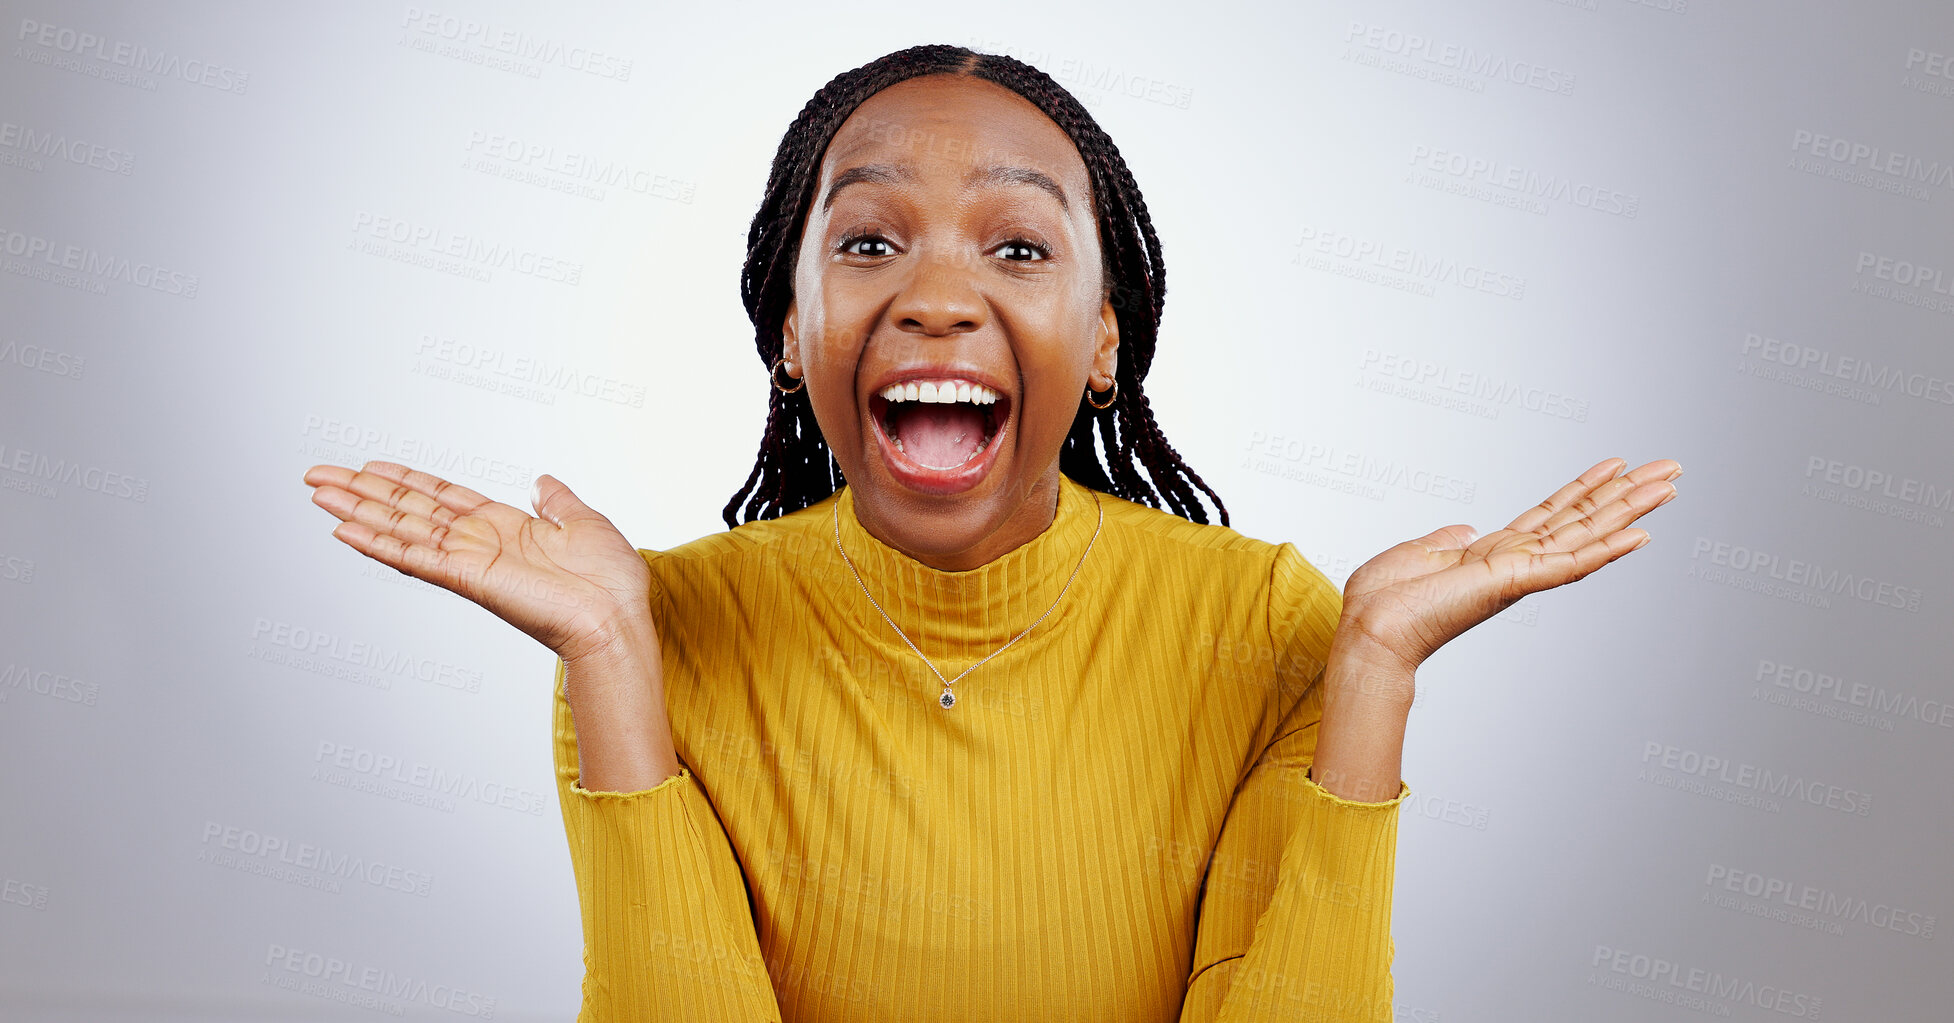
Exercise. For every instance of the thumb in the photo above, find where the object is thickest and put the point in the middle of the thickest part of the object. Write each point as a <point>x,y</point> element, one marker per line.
<point>1448,538</point>
<point>555,503</point>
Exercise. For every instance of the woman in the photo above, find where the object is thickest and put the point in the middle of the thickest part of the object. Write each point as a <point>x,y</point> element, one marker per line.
<point>982,734</point>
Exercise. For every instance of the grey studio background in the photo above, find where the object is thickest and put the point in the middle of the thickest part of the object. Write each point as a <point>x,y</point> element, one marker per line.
<point>1426,262</point>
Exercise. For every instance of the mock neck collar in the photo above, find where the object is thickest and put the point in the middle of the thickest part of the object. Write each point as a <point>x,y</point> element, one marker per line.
<point>959,617</point>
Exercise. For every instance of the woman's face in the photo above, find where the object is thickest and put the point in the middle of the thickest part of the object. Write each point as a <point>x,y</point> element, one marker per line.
<point>951,247</point>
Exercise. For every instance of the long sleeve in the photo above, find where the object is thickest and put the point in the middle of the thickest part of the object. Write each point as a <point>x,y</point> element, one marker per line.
<point>668,929</point>
<point>1295,918</point>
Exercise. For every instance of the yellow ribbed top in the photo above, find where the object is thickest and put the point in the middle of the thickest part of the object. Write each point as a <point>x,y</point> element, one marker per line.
<point>1112,823</point>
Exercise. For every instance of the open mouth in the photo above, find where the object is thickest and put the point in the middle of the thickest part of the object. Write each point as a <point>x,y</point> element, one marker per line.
<point>941,431</point>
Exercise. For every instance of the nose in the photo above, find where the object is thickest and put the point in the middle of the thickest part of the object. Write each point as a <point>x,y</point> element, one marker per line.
<point>938,297</point>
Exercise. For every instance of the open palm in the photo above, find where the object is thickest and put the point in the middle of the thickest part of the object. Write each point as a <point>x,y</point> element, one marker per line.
<point>1421,594</point>
<point>565,578</point>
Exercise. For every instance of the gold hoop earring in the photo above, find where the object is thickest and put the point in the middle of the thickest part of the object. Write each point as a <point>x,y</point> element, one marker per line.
<point>773,374</point>
<point>1112,395</point>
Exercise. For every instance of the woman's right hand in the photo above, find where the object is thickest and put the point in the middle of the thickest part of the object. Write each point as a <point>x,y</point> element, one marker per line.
<point>568,578</point>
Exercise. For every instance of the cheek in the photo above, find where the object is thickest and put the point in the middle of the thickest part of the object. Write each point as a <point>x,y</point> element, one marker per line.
<point>833,355</point>
<point>833,328</point>
<point>829,360</point>
<point>1053,403</point>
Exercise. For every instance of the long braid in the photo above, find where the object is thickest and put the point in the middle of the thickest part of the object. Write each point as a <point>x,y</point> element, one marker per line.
<point>795,468</point>
<point>1140,431</point>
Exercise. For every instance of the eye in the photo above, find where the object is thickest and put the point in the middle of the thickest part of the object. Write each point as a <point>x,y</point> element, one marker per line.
<point>847,244</point>
<point>1024,245</point>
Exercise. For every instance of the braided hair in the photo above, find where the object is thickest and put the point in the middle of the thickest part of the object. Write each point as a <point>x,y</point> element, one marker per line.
<point>795,468</point>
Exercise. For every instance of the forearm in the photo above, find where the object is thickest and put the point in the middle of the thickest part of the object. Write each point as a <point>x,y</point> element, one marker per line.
<point>668,929</point>
<point>617,701</point>
<point>1366,702</point>
<point>1318,945</point>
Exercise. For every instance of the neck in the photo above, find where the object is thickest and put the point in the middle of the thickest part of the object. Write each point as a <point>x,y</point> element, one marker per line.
<point>1024,522</point>
<point>958,616</point>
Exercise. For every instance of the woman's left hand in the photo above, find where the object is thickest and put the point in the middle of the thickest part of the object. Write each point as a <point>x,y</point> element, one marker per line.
<point>1419,595</point>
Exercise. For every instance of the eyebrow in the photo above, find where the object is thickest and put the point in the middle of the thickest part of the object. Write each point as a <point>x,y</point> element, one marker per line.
<point>888,173</point>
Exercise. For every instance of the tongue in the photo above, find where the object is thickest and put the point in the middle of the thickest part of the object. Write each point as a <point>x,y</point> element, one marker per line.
<point>941,436</point>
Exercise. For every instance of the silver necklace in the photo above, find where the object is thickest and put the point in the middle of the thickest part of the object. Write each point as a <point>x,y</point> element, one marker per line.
<point>949,699</point>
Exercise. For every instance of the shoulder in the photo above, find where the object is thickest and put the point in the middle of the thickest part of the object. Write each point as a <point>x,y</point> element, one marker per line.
<point>777,540</point>
<point>1297,603</point>
<point>1216,548</point>
<point>1170,532</point>
<point>1269,612</point>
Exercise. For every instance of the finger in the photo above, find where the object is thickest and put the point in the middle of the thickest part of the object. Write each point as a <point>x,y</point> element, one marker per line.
<point>452,496</point>
<point>380,517</point>
<point>1576,533</point>
<point>392,493</point>
<point>1661,469</point>
<point>456,500</point>
<point>1448,538</point>
<point>1562,567</point>
<point>411,559</point>
<point>337,475</point>
<point>555,503</point>
<point>1601,472</point>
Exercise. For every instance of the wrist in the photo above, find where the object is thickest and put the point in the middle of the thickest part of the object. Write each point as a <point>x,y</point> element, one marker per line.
<point>1361,666</point>
<point>616,693</point>
<point>622,665</point>
<point>623,634</point>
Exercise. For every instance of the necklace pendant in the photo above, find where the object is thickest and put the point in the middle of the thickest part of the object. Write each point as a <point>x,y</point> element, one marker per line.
<point>949,699</point>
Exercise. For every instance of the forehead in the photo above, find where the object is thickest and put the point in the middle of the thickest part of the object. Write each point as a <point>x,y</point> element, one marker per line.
<point>945,122</point>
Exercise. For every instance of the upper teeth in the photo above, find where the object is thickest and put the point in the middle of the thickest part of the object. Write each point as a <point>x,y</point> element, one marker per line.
<point>944,391</point>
